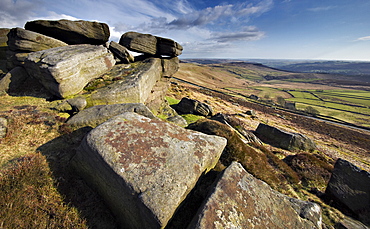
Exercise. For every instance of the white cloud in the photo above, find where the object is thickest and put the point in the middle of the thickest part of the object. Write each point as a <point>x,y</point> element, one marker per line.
<point>363,38</point>
<point>321,8</point>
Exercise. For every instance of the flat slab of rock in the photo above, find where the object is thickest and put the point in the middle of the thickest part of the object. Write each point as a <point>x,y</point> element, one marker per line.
<point>284,139</point>
<point>96,115</point>
<point>133,88</point>
<point>144,168</point>
<point>350,186</point>
<point>72,32</point>
<point>239,200</point>
<point>21,40</point>
<point>65,71</point>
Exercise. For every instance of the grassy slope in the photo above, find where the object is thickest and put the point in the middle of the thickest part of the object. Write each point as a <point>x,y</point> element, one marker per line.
<point>348,102</point>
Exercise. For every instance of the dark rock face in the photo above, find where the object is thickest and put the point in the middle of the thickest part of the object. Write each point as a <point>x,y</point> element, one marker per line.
<point>144,168</point>
<point>239,200</point>
<point>138,42</point>
<point>350,186</point>
<point>168,47</point>
<point>283,139</point>
<point>149,44</point>
<point>192,106</point>
<point>72,32</point>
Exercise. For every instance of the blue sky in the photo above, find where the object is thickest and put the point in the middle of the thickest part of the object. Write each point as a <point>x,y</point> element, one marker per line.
<point>279,29</point>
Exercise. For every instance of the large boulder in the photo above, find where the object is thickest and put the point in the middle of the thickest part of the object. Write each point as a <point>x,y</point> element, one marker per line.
<point>239,200</point>
<point>65,71</point>
<point>72,32</point>
<point>21,40</point>
<point>144,168</point>
<point>349,186</point>
<point>96,115</point>
<point>134,87</point>
<point>138,42</point>
<point>284,139</point>
<point>193,106</point>
<point>149,44</point>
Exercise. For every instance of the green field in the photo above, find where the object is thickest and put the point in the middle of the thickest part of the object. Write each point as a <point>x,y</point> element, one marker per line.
<point>347,105</point>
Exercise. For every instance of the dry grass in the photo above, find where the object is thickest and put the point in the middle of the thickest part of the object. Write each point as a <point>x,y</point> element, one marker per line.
<point>38,190</point>
<point>29,198</point>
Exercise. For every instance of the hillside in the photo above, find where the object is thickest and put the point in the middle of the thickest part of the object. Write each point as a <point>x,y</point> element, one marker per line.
<point>335,96</point>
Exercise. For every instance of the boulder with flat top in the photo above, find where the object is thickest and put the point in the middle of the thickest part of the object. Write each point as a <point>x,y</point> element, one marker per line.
<point>65,71</point>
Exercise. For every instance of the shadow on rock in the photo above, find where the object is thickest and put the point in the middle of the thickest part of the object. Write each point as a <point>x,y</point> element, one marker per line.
<point>72,187</point>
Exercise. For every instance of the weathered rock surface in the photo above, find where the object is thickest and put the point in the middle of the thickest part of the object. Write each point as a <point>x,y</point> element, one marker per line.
<point>349,223</point>
<point>192,106</point>
<point>21,40</point>
<point>13,80</point>
<point>3,127</point>
<point>72,32</point>
<point>146,167</point>
<point>239,200</point>
<point>170,66</point>
<point>65,71</point>
<point>149,44</point>
<point>121,52</point>
<point>134,88</point>
<point>350,186</point>
<point>168,47</point>
<point>284,139</point>
<point>96,115</point>
<point>138,42</point>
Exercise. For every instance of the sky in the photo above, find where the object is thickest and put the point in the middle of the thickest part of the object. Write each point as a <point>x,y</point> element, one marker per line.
<point>254,29</point>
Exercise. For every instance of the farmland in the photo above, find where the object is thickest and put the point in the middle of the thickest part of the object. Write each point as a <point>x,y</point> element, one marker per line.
<point>336,97</point>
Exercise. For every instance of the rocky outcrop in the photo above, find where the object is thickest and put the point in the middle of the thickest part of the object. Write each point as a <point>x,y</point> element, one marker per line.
<point>121,52</point>
<point>96,115</point>
<point>239,200</point>
<point>133,88</point>
<point>146,167</point>
<point>65,71</point>
<point>151,45</point>
<point>193,106</point>
<point>21,40</point>
<point>349,186</point>
<point>72,32</point>
<point>284,139</point>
